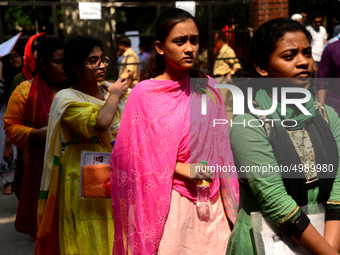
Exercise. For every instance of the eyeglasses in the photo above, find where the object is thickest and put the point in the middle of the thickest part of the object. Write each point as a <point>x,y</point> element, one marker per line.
<point>96,63</point>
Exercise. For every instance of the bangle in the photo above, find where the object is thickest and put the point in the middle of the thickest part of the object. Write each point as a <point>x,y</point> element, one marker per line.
<point>232,72</point>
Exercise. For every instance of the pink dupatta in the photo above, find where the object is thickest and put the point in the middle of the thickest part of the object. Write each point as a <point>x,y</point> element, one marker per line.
<point>155,120</point>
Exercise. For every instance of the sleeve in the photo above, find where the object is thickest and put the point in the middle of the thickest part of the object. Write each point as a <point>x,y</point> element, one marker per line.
<point>81,117</point>
<point>233,61</point>
<point>309,29</point>
<point>255,156</point>
<point>15,118</point>
<point>325,68</point>
<point>132,63</point>
<point>324,33</point>
<point>333,203</point>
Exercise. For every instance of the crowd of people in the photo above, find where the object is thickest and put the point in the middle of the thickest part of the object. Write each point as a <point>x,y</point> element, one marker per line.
<point>150,137</point>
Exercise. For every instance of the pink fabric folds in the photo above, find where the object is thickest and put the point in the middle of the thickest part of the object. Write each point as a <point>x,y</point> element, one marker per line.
<point>155,121</point>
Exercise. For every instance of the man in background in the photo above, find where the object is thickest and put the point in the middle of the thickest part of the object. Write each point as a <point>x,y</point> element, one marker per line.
<point>319,36</point>
<point>129,65</point>
<point>226,65</point>
<point>328,77</point>
<point>297,17</point>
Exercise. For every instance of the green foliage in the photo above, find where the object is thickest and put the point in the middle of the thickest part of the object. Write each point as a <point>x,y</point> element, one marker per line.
<point>18,15</point>
<point>145,22</point>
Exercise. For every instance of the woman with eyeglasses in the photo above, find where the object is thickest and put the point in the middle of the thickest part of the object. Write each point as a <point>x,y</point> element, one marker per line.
<point>88,116</point>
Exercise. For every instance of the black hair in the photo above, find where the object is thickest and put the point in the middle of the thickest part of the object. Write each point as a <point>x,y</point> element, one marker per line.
<point>315,14</point>
<point>164,24</point>
<point>222,36</point>
<point>47,47</point>
<point>45,50</point>
<point>125,41</point>
<point>36,41</point>
<point>267,36</point>
<point>76,51</point>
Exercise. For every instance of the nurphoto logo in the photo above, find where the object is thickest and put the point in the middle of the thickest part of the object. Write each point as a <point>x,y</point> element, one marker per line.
<point>238,104</point>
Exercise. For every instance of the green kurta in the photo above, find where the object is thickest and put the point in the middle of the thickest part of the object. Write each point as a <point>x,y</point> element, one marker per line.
<point>252,148</point>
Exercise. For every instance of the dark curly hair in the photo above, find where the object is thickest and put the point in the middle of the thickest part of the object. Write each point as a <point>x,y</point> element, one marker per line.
<point>267,36</point>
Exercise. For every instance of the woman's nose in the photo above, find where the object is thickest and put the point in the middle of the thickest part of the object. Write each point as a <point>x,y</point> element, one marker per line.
<point>188,47</point>
<point>302,60</point>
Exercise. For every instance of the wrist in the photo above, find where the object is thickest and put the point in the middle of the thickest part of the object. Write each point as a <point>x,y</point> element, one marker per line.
<point>33,135</point>
<point>8,145</point>
<point>114,95</point>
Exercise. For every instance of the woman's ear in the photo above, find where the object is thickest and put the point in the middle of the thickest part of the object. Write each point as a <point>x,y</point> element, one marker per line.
<point>260,68</point>
<point>42,64</point>
<point>159,47</point>
<point>76,69</point>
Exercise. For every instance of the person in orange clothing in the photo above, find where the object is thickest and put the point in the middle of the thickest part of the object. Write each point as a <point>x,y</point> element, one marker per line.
<point>27,73</point>
<point>25,125</point>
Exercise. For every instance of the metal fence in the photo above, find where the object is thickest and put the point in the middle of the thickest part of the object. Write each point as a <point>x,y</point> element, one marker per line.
<point>212,16</point>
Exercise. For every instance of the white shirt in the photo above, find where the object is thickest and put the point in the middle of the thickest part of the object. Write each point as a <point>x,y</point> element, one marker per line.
<point>318,41</point>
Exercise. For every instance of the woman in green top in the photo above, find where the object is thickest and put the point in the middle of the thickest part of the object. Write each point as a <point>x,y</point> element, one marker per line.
<point>281,49</point>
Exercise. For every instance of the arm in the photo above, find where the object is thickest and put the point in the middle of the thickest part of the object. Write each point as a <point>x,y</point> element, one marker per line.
<point>234,63</point>
<point>332,229</point>
<point>230,74</point>
<point>332,234</point>
<point>130,79</point>
<point>8,152</point>
<point>132,69</point>
<point>39,134</point>
<point>252,148</point>
<point>87,118</point>
<point>108,111</point>
<point>324,73</point>
<point>313,242</point>
<point>15,118</point>
<point>322,93</point>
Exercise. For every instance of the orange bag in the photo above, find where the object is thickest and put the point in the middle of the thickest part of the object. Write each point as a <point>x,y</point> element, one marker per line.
<point>96,181</point>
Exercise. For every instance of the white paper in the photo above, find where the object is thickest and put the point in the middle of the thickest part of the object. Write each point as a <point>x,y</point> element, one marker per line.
<point>91,158</point>
<point>277,243</point>
<point>189,6</point>
<point>134,40</point>
<point>90,10</point>
<point>7,47</point>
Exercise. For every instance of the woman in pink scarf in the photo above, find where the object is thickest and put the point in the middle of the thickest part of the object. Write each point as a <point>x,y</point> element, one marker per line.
<point>162,131</point>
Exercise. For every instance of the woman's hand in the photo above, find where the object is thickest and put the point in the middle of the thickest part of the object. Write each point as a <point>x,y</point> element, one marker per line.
<point>8,153</point>
<point>120,87</point>
<point>108,111</point>
<point>194,171</point>
<point>39,134</point>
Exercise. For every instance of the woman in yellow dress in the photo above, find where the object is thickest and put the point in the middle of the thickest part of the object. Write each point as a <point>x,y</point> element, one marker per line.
<point>88,117</point>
